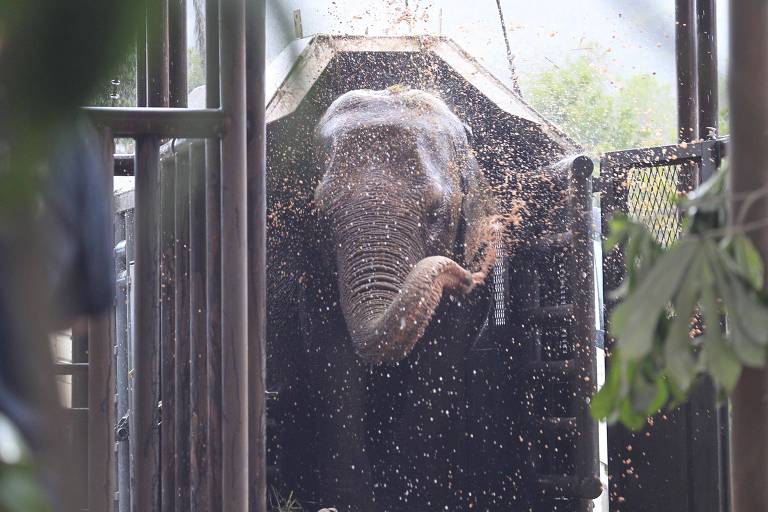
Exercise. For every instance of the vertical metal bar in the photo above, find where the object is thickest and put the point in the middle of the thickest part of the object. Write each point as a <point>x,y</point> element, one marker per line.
<point>182,446</point>
<point>748,92</point>
<point>707,433</point>
<point>199,495</point>
<point>687,95</point>
<point>213,258</point>
<point>583,334</point>
<point>122,367</point>
<point>177,61</point>
<point>101,391</point>
<point>157,53</point>
<point>234,261</point>
<point>141,60</point>
<point>707,56</point>
<point>130,255</point>
<point>168,334</point>
<point>147,333</point>
<point>257,252</point>
<point>147,346</point>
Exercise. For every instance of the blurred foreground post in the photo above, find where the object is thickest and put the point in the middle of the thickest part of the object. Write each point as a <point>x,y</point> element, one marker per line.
<point>749,129</point>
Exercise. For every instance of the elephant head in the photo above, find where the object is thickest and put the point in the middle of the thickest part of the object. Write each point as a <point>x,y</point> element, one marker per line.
<point>409,215</point>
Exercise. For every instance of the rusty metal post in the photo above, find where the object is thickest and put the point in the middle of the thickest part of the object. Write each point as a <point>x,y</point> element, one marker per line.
<point>687,95</point>
<point>234,261</point>
<point>167,334</point>
<point>141,60</point>
<point>706,19</point>
<point>213,258</point>
<point>198,376</point>
<point>147,266</point>
<point>584,334</point>
<point>147,318</point>
<point>177,53</point>
<point>749,140</point>
<point>181,281</point>
<point>101,385</point>
<point>257,252</point>
<point>157,53</point>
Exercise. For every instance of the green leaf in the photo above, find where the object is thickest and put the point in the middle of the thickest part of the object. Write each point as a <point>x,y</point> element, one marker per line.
<point>678,354</point>
<point>605,401</point>
<point>719,358</point>
<point>617,232</point>
<point>634,321</point>
<point>747,259</point>
<point>631,419</point>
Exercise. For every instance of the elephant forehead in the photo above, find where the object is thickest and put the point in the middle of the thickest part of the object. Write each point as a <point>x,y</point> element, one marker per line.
<point>410,111</point>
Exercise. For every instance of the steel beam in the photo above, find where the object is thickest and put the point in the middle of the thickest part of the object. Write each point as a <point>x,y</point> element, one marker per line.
<point>213,258</point>
<point>160,122</point>
<point>147,317</point>
<point>257,253</point>
<point>234,261</point>
<point>749,183</point>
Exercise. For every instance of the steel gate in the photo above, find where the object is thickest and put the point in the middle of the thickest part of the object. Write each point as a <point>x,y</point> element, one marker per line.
<point>547,339</point>
<point>679,462</point>
<point>182,254</point>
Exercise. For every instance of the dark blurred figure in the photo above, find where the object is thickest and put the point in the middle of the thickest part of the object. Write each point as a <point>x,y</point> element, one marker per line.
<point>56,267</point>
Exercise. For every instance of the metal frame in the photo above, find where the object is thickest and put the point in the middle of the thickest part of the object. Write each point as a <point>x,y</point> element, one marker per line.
<point>211,299</point>
<point>695,433</point>
<point>572,243</point>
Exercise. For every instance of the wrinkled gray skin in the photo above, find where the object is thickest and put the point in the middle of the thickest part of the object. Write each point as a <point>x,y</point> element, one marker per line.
<point>409,214</point>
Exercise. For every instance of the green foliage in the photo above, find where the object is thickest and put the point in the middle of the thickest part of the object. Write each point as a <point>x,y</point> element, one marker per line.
<point>20,489</point>
<point>600,113</point>
<point>195,69</point>
<point>669,322</point>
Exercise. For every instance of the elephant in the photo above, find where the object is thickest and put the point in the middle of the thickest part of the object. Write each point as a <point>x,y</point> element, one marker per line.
<point>391,295</point>
<point>402,198</point>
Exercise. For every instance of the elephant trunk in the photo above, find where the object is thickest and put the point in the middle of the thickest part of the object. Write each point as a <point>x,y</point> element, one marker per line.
<point>389,291</point>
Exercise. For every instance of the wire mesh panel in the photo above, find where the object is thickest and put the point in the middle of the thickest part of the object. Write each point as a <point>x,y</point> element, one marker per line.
<point>652,192</point>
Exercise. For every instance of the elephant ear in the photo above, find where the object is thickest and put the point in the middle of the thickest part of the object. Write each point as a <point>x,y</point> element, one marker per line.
<point>479,214</point>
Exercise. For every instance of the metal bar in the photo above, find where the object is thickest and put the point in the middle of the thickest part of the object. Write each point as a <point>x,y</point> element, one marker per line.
<point>168,334</point>
<point>74,369</point>
<point>160,122</point>
<point>651,157</point>
<point>101,374</point>
<point>706,18</point>
<point>234,261</point>
<point>687,95</point>
<point>147,331</point>
<point>157,53</point>
<point>177,55</point>
<point>748,91</point>
<point>213,259</point>
<point>130,255</point>
<point>583,330</point>
<point>122,320</point>
<point>257,252</point>
<point>141,60</point>
<point>199,495</point>
<point>182,446</point>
